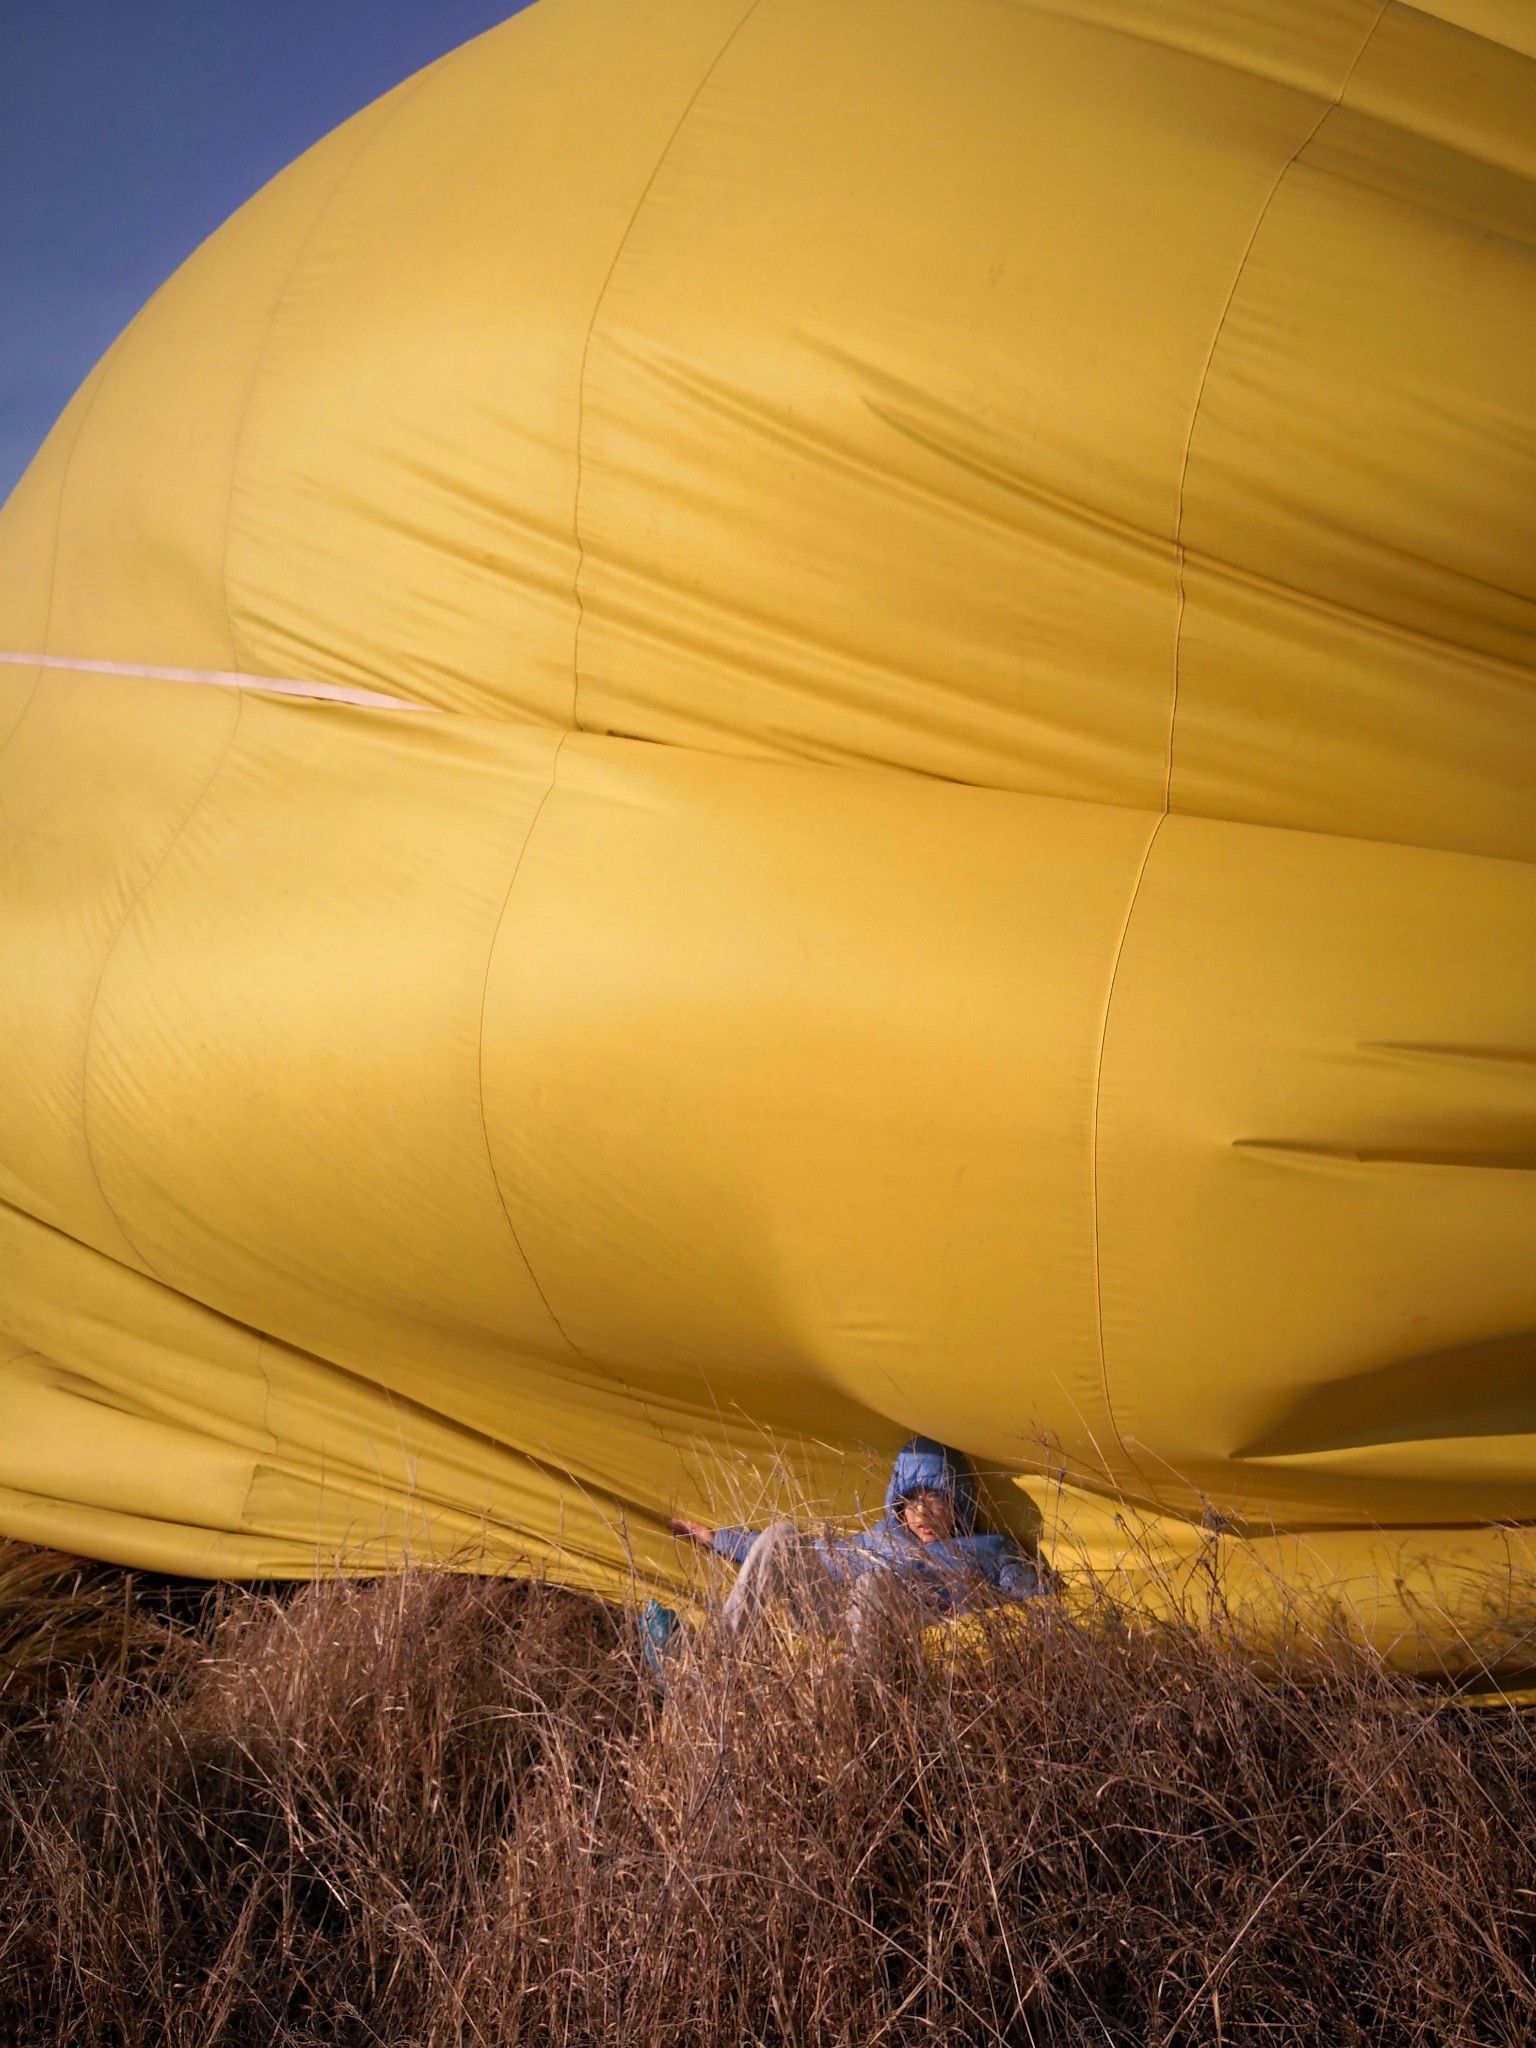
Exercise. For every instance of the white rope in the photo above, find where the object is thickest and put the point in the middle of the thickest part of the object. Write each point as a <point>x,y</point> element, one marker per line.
<point>225,679</point>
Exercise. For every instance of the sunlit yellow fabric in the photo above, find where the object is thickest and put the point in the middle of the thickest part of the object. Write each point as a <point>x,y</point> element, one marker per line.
<point>979,875</point>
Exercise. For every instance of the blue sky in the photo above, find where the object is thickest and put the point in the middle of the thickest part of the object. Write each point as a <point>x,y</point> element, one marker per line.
<point>130,128</point>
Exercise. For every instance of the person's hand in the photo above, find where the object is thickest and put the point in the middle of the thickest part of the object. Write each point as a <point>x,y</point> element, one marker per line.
<point>693,1532</point>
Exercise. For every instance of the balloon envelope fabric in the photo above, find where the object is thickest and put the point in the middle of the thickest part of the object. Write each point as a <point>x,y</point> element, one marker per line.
<point>753,726</point>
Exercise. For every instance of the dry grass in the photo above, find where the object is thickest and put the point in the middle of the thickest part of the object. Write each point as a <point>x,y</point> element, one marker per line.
<point>444,1810</point>
<point>61,1617</point>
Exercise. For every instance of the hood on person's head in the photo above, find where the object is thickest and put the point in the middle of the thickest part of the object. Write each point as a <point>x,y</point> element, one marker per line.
<point>923,1466</point>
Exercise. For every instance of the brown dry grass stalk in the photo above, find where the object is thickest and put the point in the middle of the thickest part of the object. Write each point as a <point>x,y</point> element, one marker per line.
<point>435,1809</point>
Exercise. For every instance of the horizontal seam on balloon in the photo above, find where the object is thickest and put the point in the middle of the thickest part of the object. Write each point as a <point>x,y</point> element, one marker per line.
<point>1093,1136</point>
<point>90,1020</point>
<point>365,143</point>
<point>1205,376</point>
<point>586,347</point>
<point>554,770</point>
<point>225,679</point>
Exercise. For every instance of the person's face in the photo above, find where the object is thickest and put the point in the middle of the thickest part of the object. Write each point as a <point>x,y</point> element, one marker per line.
<point>930,1517</point>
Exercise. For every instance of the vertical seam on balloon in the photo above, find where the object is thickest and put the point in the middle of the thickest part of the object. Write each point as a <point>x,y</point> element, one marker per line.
<point>1093,1136</point>
<point>1194,419</point>
<point>266,1430</point>
<point>279,302</point>
<point>90,1020</point>
<point>58,521</point>
<point>266,1398</point>
<point>485,985</point>
<point>586,347</point>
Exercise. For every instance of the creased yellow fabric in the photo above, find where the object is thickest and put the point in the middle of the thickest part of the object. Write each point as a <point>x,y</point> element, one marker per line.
<point>980,875</point>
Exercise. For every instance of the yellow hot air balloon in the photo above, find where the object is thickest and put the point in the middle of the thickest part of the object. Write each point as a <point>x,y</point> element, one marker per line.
<point>755,725</point>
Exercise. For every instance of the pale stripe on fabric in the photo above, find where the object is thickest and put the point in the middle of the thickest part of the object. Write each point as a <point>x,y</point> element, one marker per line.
<point>226,679</point>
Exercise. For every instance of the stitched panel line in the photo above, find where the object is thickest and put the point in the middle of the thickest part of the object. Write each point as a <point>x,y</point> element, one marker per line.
<point>485,1129</point>
<point>90,1022</point>
<point>586,347</point>
<point>1205,375</point>
<point>1173,713</point>
<point>1093,1133</point>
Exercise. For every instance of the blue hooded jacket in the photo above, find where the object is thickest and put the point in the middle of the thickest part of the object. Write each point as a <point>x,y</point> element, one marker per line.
<point>968,1569</point>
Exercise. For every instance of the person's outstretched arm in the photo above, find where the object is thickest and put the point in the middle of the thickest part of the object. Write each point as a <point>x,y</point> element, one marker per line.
<point>731,1544</point>
<point>734,1544</point>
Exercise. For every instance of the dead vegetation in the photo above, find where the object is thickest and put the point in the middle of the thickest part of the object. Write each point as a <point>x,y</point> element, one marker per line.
<point>437,1809</point>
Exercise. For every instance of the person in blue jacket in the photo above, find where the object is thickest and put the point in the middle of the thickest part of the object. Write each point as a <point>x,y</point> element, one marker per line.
<point>927,1540</point>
